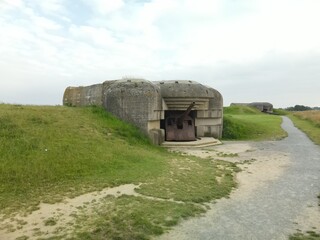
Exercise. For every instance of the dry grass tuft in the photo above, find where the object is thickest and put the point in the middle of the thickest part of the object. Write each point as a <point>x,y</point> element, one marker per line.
<point>313,116</point>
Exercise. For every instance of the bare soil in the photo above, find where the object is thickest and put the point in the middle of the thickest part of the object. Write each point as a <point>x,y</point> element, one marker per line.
<point>258,166</point>
<point>51,219</point>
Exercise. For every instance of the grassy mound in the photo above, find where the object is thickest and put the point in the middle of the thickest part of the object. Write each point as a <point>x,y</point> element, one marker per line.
<point>49,153</point>
<point>67,151</point>
<point>246,123</point>
<point>241,110</point>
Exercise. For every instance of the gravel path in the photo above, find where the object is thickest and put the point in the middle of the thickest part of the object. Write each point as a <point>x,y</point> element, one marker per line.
<point>273,210</point>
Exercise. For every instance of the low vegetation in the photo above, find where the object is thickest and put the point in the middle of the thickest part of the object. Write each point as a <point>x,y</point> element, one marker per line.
<point>311,116</point>
<point>49,153</point>
<point>128,217</point>
<point>63,151</point>
<point>247,123</point>
<point>309,235</point>
<point>309,122</point>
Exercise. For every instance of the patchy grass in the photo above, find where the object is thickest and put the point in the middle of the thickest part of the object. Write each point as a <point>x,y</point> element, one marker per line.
<point>125,218</point>
<point>50,222</point>
<point>246,123</point>
<point>22,238</point>
<point>309,235</point>
<point>175,184</point>
<point>49,153</point>
<point>172,197</point>
<point>221,154</point>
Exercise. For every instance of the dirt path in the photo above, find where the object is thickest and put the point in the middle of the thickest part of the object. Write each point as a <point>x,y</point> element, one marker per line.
<point>277,191</point>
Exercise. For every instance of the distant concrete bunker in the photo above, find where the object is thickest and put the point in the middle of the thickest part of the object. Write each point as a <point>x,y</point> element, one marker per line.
<point>164,110</point>
<point>262,106</point>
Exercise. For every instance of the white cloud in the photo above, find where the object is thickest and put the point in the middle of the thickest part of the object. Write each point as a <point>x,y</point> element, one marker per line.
<point>202,7</point>
<point>99,36</point>
<point>45,23</point>
<point>104,7</point>
<point>291,25</point>
<point>50,6</point>
<point>11,3</point>
<point>7,6</point>
<point>226,44</point>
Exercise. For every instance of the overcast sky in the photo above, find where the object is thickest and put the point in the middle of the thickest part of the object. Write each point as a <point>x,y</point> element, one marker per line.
<point>249,50</point>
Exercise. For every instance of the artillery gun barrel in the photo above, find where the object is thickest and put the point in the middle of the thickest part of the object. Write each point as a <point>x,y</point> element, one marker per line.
<point>185,114</point>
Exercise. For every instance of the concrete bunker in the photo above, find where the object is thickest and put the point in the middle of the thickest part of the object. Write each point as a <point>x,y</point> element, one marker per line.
<point>265,107</point>
<point>200,106</point>
<point>175,110</point>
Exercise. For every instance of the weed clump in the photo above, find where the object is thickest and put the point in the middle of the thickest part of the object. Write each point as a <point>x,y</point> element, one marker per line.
<point>233,129</point>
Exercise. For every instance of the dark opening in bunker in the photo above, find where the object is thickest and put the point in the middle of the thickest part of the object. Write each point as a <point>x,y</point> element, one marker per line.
<point>179,126</point>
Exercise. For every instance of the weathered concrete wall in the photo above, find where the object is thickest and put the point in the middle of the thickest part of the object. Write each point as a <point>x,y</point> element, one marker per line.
<point>216,114</point>
<point>83,96</point>
<point>136,101</point>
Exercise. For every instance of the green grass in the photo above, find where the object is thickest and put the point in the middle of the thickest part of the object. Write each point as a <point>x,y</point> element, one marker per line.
<point>66,151</point>
<point>246,123</point>
<point>312,129</point>
<point>124,218</point>
<point>241,110</point>
<point>280,112</point>
<point>188,170</point>
<point>49,153</point>
<point>50,222</point>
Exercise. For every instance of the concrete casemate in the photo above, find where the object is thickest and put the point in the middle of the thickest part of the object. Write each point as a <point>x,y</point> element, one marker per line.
<point>157,108</point>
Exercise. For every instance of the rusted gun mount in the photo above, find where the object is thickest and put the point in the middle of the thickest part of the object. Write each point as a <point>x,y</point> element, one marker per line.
<point>180,127</point>
<point>184,115</point>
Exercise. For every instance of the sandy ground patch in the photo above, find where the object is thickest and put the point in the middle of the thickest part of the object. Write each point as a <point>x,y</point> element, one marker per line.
<point>309,220</point>
<point>259,166</point>
<point>52,219</point>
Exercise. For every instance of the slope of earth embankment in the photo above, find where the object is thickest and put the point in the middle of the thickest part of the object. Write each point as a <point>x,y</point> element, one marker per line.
<point>81,173</point>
